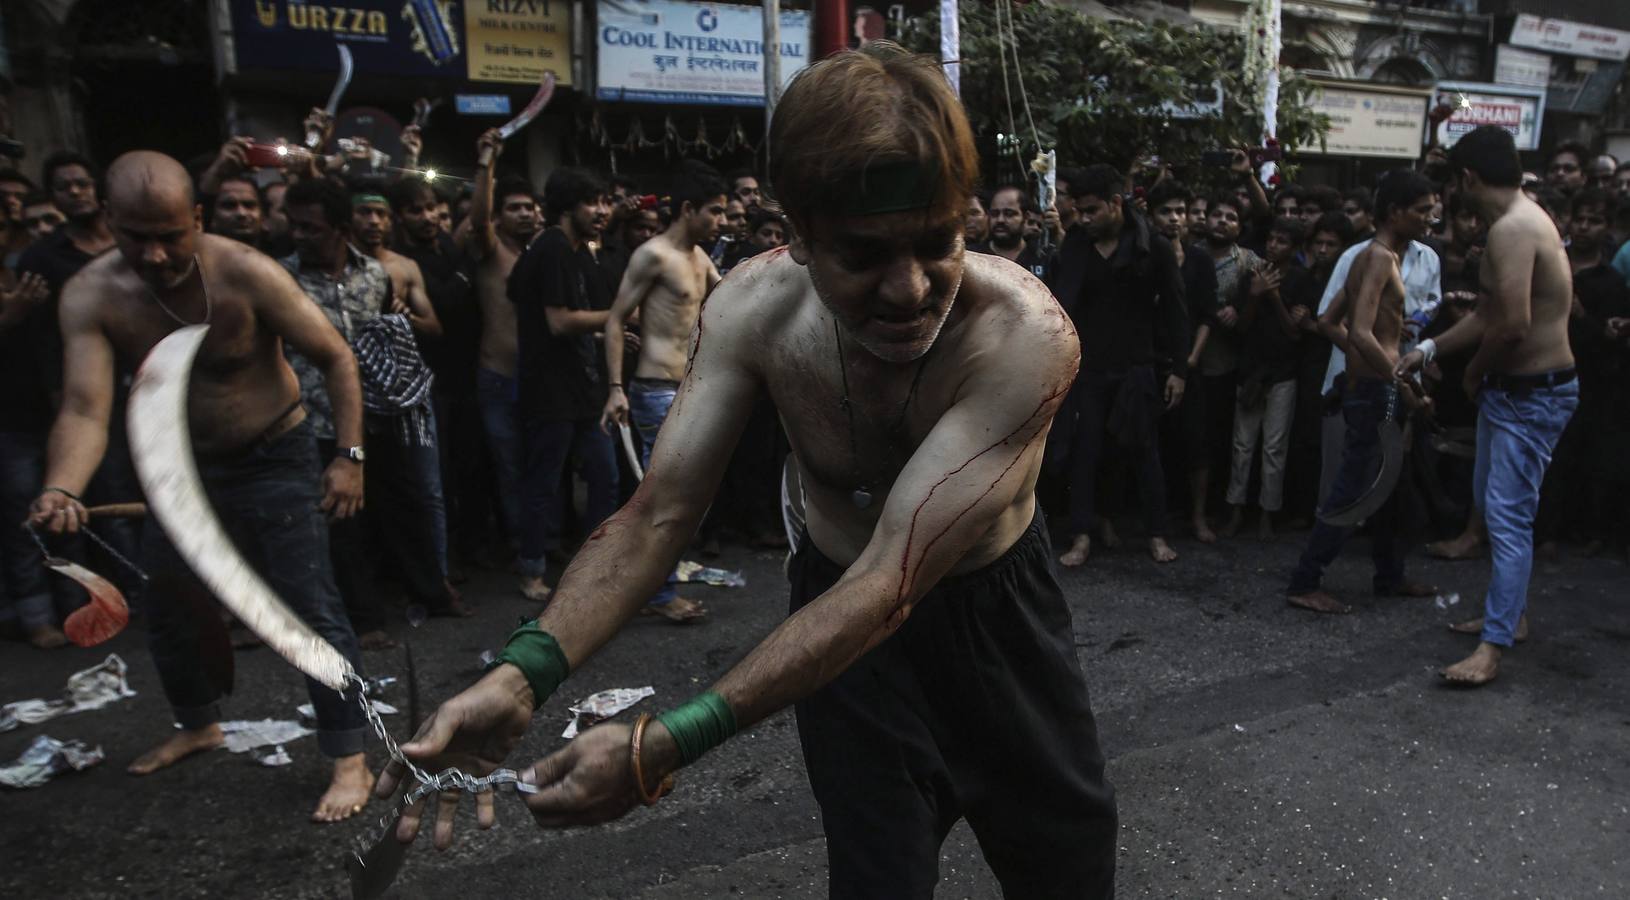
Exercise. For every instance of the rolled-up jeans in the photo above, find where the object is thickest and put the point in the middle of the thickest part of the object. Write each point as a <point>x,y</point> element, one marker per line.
<point>1517,432</point>
<point>649,400</point>
<point>266,496</point>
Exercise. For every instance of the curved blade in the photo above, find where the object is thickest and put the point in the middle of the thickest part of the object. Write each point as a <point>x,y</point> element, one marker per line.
<point>1386,478</point>
<point>105,616</point>
<point>161,449</point>
<point>546,89</point>
<point>342,82</point>
<point>628,449</point>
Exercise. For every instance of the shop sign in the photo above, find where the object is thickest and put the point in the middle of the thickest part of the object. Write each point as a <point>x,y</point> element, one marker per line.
<point>1518,110</point>
<point>665,51</point>
<point>1571,38</point>
<point>1367,120</point>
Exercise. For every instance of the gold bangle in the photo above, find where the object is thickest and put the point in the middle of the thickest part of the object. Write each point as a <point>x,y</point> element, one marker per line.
<point>647,798</point>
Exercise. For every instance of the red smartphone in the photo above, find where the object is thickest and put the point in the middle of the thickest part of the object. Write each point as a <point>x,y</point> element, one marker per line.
<point>264,156</point>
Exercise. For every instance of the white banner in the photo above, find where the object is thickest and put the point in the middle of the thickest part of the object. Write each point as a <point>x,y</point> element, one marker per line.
<point>1369,120</point>
<point>665,51</point>
<point>1521,67</point>
<point>1517,110</point>
<point>1571,38</point>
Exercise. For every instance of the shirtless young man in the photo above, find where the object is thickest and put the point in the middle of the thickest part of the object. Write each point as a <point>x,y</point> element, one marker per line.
<point>917,384</point>
<point>495,239</point>
<point>255,449</point>
<point>1522,376</point>
<point>666,281</point>
<point>370,225</point>
<point>1367,323</point>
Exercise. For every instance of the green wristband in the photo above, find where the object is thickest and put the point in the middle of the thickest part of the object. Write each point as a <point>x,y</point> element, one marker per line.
<point>539,657</point>
<point>698,725</point>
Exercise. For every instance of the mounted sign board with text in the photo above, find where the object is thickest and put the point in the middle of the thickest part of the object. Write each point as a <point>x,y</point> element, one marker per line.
<point>1571,38</point>
<point>665,51</point>
<point>1523,68</point>
<point>515,41</point>
<point>1519,110</point>
<point>1370,120</point>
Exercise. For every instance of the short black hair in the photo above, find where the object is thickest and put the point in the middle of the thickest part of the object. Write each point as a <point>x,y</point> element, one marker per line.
<point>334,201</point>
<point>738,174</point>
<point>1167,191</point>
<point>509,186</point>
<point>1023,193</point>
<point>695,182</point>
<point>1491,152</point>
<point>1360,196</point>
<point>1291,228</point>
<point>241,178</point>
<point>63,159</point>
<point>1099,180</point>
<point>1069,175</point>
<point>1294,191</point>
<point>1575,149</point>
<point>1588,197</point>
<point>1554,201</point>
<point>408,191</point>
<point>1336,223</point>
<point>1400,187</point>
<point>1324,197</point>
<point>1226,198</point>
<point>764,217</point>
<point>16,177</point>
<point>568,187</point>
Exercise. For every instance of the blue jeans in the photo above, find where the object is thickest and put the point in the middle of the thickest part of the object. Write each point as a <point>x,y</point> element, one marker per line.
<point>1516,434</point>
<point>549,445</point>
<point>1365,404</point>
<point>648,405</point>
<point>497,396</point>
<point>25,591</point>
<point>266,497</point>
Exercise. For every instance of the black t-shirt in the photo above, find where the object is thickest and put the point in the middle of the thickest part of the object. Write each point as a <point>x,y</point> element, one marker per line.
<point>1266,350</point>
<point>31,352</point>
<point>562,377</point>
<point>452,294</point>
<point>1129,308</point>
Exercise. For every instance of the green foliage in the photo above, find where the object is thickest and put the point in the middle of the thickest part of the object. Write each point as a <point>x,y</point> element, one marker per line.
<point>1098,88</point>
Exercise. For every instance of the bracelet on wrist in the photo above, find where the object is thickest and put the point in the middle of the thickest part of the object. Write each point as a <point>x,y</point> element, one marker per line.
<point>52,489</point>
<point>634,745</point>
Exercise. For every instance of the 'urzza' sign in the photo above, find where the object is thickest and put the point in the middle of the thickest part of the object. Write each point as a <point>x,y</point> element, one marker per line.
<point>665,51</point>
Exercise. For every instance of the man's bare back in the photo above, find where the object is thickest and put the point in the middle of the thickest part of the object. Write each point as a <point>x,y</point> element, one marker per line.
<point>1376,274</point>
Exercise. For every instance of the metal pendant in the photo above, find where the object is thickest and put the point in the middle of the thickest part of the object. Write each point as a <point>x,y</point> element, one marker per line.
<point>862,498</point>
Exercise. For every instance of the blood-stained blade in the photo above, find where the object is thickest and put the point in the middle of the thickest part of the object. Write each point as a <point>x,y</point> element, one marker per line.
<point>160,447</point>
<point>546,89</point>
<point>105,616</point>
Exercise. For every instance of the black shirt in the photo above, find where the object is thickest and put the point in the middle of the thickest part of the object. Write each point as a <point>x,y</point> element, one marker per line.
<point>452,294</point>
<point>561,376</point>
<point>1128,309</point>
<point>1267,351</point>
<point>31,352</point>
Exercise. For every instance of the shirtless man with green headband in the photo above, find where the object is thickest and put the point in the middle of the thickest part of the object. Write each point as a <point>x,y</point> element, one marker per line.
<point>929,652</point>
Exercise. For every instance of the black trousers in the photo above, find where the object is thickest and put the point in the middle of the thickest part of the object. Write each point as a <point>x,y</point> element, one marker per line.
<point>975,708</point>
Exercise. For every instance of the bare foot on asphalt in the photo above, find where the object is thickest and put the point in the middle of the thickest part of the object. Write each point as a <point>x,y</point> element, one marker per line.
<point>1236,520</point>
<point>1203,532</point>
<point>177,747</point>
<point>1467,546</point>
<point>348,793</point>
<point>678,611</point>
<point>1077,555</point>
<point>1319,601</point>
<point>1161,551</point>
<point>1475,670</point>
<point>1475,626</point>
<point>534,589</point>
<point>48,637</point>
<point>375,640</point>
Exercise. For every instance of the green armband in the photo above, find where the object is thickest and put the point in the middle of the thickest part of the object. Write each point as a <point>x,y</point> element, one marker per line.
<point>698,725</point>
<point>539,657</point>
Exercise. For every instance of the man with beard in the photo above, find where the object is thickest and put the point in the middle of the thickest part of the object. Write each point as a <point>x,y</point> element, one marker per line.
<point>744,187</point>
<point>976,228</point>
<point>1119,282</point>
<point>560,306</point>
<point>235,211</point>
<point>1368,324</point>
<point>1007,223</point>
<point>370,226</point>
<point>917,384</point>
<point>667,280</point>
<point>503,221</point>
<point>1522,375</point>
<point>255,447</point>
<point>1565,170</point>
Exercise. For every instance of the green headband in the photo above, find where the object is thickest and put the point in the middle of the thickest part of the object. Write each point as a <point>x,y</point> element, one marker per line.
<point>887,187</point>
<point>360,199</point>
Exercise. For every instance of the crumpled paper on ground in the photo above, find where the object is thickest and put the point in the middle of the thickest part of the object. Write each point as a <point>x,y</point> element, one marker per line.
<point>696,573</point>
<point>243,736</point>
<point>308,713</point>
<point>87,689</point>
<point>603,705</point>
<point>46,758</point>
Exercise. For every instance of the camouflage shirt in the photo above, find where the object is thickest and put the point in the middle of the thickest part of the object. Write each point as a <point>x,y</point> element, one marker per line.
<point>356,296</point>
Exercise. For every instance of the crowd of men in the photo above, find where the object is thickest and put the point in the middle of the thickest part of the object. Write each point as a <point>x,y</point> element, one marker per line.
<point>1238,348</point>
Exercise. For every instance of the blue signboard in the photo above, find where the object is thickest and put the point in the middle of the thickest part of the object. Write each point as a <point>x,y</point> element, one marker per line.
<point>481,104</point>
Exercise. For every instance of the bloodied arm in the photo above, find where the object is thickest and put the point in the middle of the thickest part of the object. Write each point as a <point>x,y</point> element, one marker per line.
<point>79,436</point>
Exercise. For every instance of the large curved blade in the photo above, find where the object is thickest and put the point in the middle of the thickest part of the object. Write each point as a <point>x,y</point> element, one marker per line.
<point>546,89</point>
<point>627,435</point>
<point>1386,479</point>
<point>160,447</point>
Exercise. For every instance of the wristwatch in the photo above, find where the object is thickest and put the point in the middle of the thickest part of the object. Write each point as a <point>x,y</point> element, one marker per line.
<point>352,454</point>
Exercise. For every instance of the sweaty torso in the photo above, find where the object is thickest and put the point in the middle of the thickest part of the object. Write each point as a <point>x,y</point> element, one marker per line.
<point>241,388</point>
<point>1388,327</point>
<point>669,309</point>
<point>1526,230</point>
<point>999,312</point>
<point>402,272</point>
<point>500,349</point>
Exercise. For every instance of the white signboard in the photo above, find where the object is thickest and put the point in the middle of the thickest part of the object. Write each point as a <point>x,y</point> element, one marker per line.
<point>1366,121</point>
<point>1518,110</point>
<point>664,51</point>
<point>1571,38</point>
<point>1524,68</point>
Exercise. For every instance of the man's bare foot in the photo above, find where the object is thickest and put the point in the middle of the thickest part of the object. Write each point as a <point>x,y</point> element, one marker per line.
<point>1475,626</point>
<point>1264,527</point>
<point>1107,533</point>
<point>1468,546</point>
<point>534,589</point>
<point>678,611</point>
<point>176,747</point>
<point>348,792</point>
<point>1080,548</point>
<point>1475,670</point>
<point>1236,521</point>
<point>47,637</point>
<point>1161,551</point>
<point>1203,532</point>
<point>1319,601</point>
<point>375,640</point>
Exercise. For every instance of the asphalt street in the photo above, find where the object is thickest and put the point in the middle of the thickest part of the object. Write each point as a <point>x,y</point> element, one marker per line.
<point>1257,751</point>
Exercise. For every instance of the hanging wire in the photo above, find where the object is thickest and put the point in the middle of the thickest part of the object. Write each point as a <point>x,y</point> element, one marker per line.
<point>1018,69</point>
<point>1001,53</point>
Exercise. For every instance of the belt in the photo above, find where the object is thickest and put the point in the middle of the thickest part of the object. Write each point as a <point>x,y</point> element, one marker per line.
<point>1500,381</point>
<point>657,384</point>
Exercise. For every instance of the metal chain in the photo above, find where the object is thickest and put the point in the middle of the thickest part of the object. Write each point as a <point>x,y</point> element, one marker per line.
<point>46,551</point>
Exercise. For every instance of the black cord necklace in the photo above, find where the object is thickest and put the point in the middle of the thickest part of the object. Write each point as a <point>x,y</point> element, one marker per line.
<point>862,496</point>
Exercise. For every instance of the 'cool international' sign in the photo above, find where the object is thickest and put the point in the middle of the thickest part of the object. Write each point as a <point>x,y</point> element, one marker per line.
<point>673,52</point>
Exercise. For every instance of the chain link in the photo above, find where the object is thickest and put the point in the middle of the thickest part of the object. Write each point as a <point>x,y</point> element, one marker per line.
<point>85,529</point>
